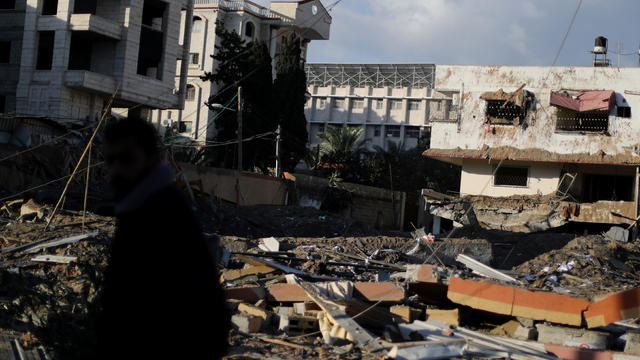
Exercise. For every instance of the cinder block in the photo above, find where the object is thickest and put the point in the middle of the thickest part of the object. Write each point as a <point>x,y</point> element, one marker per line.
<point>525,333</point>
<point>449,317</point>
<point>246,323</point>
<point>633,343</point>
<point>585,339</point>
<point>300,325</point>
<point>254,311</point>
<point>406,313</point>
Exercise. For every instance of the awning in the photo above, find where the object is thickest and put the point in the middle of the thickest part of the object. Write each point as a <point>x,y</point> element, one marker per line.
<point>598,100</point>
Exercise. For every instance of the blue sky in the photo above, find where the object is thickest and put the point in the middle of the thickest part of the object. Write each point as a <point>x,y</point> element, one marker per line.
<point>483,32</point>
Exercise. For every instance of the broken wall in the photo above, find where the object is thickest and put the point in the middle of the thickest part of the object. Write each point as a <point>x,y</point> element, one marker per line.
<point>370,206</point>
<point>539,130</point>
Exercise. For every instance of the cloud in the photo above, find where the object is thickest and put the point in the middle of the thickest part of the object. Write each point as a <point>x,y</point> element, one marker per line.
<point>523,32</point>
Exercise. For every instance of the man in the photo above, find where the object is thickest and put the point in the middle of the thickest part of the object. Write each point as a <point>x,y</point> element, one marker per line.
<point>161,297</point>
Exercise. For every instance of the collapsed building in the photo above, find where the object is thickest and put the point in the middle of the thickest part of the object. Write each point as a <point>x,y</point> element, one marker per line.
<point>538,147</point>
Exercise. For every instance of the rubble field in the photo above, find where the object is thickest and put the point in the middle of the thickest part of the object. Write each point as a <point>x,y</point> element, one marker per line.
<point>306,283</point>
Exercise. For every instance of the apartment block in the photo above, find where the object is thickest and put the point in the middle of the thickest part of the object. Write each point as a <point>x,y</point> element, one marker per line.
<point>392,102</point>
<point>307,18</point>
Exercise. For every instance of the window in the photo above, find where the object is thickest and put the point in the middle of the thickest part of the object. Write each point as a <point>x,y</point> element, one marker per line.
<point>49,7</point>
<point>2,104</point>
<point>321,103</point>
<point>197,24</point>
<point>7,4</point>
<point>45,50</point>
<point>185,126</point>
<point>5,52</point>
<point>439,106</point>
<point>396,104</point>
<point>249,29</point>
<point>506,114</point>
<point>152,36</point>
<point>191,93</point>
<point>392,131</point>
<point>85,7</point>
<point>194,58</point>
<point>511,176</point>
<point>338,103</point>
<point>358,104</point>
<point>607,187</point>
<point>415,104</point>
<point>379,104</point>
<point>376,130</point>
<point>169,115</point>
<point>622,111</point>
<point>412,132</point>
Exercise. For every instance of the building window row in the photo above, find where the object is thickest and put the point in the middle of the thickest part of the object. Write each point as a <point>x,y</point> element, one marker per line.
<point>339,103</point>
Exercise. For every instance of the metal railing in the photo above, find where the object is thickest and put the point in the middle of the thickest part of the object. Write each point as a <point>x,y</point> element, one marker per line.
<point>248,6</point>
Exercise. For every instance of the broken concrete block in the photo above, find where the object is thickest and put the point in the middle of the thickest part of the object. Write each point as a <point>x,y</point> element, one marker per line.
<point>421,273</point>
<point>284,310</point>
<point>246,323</point>
<point>300,325</point>
<point>585,339</point>
<point>526,322</point>
<point>525,333</point>
<point>384,291</point>
<point>269,244</point>
<point>247,294</point>
<point>406,313</point>
<point>507,329</point>
<point>287,293</point>
<point>616,233</point>
<point>633,343</point>
<point>614,308</point>
<point>299,308</point>
<point>449,317</point>
<point>254,310</point>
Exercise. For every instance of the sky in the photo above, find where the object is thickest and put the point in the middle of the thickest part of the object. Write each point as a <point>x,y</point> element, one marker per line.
<point>478,32</point>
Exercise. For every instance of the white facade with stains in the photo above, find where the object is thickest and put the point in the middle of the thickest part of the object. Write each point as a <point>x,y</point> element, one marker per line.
<point>533,154</point>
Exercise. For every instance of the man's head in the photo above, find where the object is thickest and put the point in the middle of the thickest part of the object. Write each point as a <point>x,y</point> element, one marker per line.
<point>131,151</point>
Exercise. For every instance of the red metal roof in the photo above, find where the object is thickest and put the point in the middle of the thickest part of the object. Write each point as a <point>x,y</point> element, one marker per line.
<point>597,100</point>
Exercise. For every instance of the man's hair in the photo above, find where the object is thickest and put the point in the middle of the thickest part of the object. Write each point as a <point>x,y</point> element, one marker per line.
<point>142,132</point>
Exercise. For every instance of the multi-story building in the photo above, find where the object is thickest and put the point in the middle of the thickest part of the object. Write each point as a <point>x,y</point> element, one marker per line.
<point>570,133</point>
<point>308,18</point>
<point>67,57</point>
<point>392,102</point>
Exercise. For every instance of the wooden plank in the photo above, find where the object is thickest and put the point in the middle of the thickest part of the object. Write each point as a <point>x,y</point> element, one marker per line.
<point>361,337</point>
<point>56,259</point>
<point>43,244</point>
<point>231,275</point>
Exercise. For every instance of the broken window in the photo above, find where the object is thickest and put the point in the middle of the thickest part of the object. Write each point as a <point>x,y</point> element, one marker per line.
<point>392,131</point>
<point>80,51</point>
<point>607,187</point>
<point>507,108</point>
<point>358,104</point>
<point>249,29</point>
<point>412,132</point>
<point>415,104</point>
<point>45,50</point>
<point>5,52</point>
<point>85,7</point>
<point>191,93</point>
<point>151,39</point>
<point>197,24</point>
<point>511,176</point>
<point>7,4</point>
<point>49,7</point>
<point>584,111</point>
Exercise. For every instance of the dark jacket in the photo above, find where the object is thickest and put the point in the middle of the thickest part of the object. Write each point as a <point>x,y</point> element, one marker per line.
<point>161,297</point>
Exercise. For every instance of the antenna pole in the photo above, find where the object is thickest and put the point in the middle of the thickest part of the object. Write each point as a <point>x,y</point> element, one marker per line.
<point>619,51</point>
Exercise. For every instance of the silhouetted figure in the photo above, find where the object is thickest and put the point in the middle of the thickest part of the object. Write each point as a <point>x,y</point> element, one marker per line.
<point>161,298</point>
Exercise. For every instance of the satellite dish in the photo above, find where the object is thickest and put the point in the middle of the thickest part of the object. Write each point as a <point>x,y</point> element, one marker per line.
<point>314,9</point>
<point>165,122</point>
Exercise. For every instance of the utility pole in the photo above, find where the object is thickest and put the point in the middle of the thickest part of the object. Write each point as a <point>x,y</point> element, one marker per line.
<point>619,51</point>
<point>239,128</point>
<point>278,160</point>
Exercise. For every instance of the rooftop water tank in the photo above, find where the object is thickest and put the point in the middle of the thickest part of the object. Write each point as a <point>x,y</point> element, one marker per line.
<point>600,46</point>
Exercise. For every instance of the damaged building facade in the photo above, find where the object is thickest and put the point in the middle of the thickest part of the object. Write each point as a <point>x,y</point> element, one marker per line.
<point>539,147</point>
<point>63,59</point>
<point>308,18</point>
<point>391,102</point>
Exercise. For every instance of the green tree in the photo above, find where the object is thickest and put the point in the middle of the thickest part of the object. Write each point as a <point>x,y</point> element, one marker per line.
<point>248,65</point>
<point>342,145</point>
<point>290,89</point>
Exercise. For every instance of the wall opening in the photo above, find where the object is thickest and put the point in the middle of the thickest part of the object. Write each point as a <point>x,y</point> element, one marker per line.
<point>7,4</point>
<point>569,120</point>
<point>5,52</point>
<point>249,29</point>
<point>507,108</point>
<point>607,187</point>
<point>511,176</point>
<point>197,24</point>
<point>44,60</point>
<point>152,39</point>
<point>191,93</point>
<point>80,51</point>
<point>49,7</point>
<point>85,7</point>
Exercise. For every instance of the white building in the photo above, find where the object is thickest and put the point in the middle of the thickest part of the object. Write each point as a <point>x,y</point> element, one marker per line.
<point>393,102</point>
<point>538,130</point>
<point>67,57</point>
<point>308,18</point>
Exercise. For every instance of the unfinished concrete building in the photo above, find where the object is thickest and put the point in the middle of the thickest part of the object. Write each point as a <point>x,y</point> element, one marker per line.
<point>539,147</point>
<point>67,57</point>
<point>308,18</point>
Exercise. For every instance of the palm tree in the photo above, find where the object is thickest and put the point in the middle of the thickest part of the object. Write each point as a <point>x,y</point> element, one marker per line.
<point>341,145</point>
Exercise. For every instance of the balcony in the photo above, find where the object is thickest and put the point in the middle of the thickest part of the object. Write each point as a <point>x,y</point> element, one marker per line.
<point>90,81</point>
<point>96,24</point>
